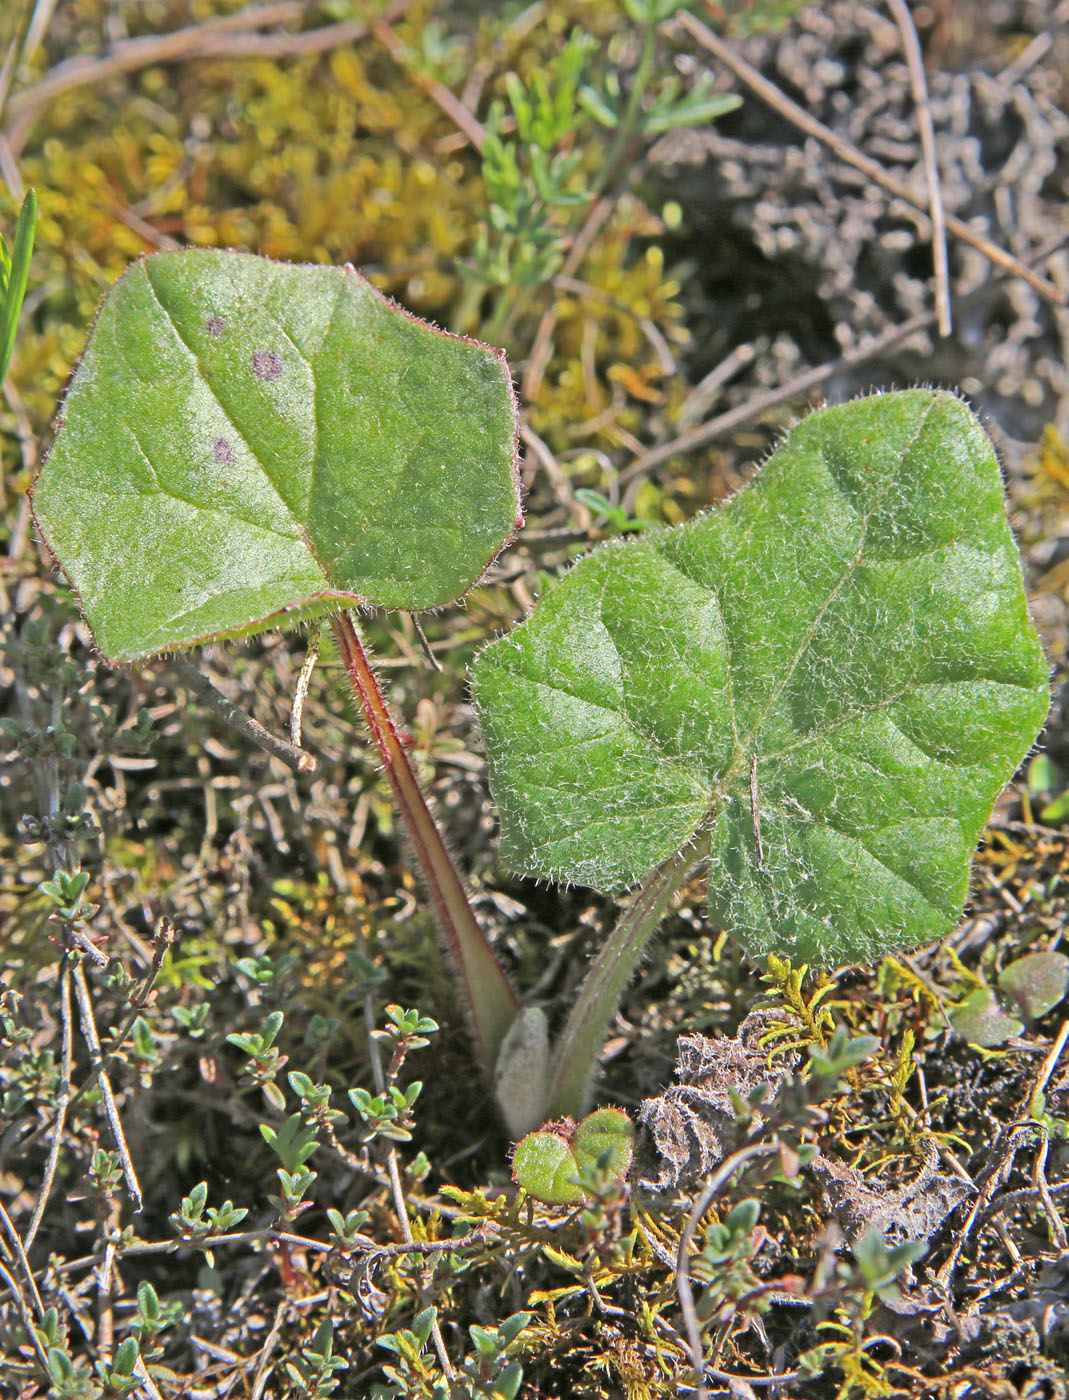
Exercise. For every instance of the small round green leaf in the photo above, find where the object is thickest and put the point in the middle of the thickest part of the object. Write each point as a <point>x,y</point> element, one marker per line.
<point>606,1135</point>
<point>548,1163</point>
<point>1035,983</point>
<point>247,442</point>
<point>981,1020</point>
<point>545,1166</point>
<point>836,671</point>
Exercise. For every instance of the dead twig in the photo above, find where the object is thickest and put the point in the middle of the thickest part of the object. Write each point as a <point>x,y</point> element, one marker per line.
<point>808,380</point>
<point>450,104</point>
<point>1029,829</point>
<point>17,51</point>
<point>1043,1189</point>
<point>562,487</point>
<point>1005,1148</point>
<point>96,1059</point>
<point>17,1252</point>
<point>106,1284</point>
<point>263,1373</point>
<point>304,679</point>
<point>10,172</point>
<point>151,1388</point>
<point>1036,50</point>
<point>144,229</point>
<point>160,943</point>
<point>270,1234</point>
<point>657,342</point>
<point>425,645</point>
<point>706,391</point>
<point>1045,1070</point>
<point>127,55</point>
<point>936,212</point>
<point>25,1315</point>
<point>542,345</point>
<point>848,152</point>
<point>63,1097</point>
<point>227,37</point>
<point>397,1189</point>
<point>300,760</point>
<point>1026,1196</point>
<point>794,388</point>
<point>1040,1189</point>
<point>724,1172</point>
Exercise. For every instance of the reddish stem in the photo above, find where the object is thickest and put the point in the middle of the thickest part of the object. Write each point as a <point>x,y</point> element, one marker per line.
<point>486,992</point>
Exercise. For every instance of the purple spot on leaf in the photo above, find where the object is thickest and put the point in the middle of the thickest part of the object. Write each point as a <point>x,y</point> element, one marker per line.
<point>266,364</point>
<point>222,451</point>
<point>215,325</point>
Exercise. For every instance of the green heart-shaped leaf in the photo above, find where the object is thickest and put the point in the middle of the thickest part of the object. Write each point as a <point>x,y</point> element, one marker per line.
<point>247,440</point>
<point>547,1163</point>
<point>847,641</point>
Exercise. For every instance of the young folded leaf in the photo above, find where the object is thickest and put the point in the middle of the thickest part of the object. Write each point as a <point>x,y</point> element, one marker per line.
<point>248,441</point>
<point>835,673</point>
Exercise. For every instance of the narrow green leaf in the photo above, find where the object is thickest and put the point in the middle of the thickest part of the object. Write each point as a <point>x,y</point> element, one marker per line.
<point>323,1341</point>
<point>847,641</point>
<point>422,1324</point>
<point>692,113</point>
<point>126,1358</point>
<point>247,442</point>
<point>18,273</point>
<point>1056,812</point>
<point>1041,775</point>
<point>148,1302</point>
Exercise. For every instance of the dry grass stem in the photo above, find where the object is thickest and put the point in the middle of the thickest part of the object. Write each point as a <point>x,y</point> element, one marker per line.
<point>300,690</point>
<point>936,212</point>
<point>803,383</point>
<point>723,1174</point>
